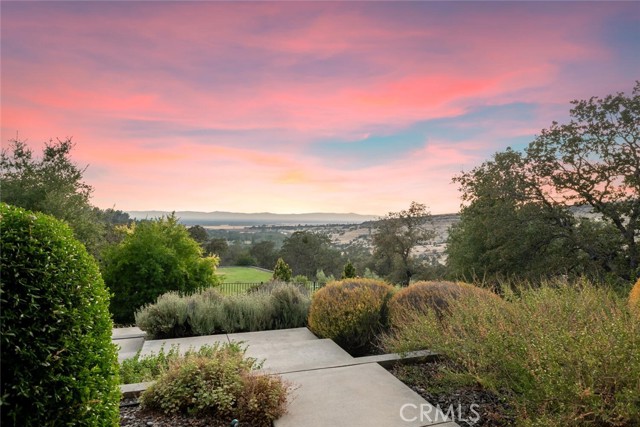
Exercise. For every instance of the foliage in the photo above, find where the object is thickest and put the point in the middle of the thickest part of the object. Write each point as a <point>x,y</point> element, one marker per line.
<point>351,312</point>
<point>149,367</point>
<point>520,220</point>
<point>290,306</point>
<point>278,306</point>
<point>323,279</point>
<point>282,271</point>
<point>51,184</point>
<point>245,260</point>
<point>217,247</point>
<point>220,384</point>
<point>395,238</point>
<point>594,160</point>
<point>567,354</point>
<point>634,300</point>
<point>199,234</point>
<point>157,256</point>
<point>306,252</point>
<point>58,364</point>
<point>264,253</point>
<point>421,297</point>
<point>349,271</point>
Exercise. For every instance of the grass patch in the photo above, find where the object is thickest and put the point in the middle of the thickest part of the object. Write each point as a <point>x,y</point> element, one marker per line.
<point>243,275</point>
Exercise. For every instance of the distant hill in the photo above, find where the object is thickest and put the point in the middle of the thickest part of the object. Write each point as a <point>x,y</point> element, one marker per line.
<point>263,218</point>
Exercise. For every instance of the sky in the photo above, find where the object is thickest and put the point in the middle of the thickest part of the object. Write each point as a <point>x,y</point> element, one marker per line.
<point>298,107</point>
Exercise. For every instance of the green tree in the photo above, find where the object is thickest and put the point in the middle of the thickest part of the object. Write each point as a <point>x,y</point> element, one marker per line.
<point>199,234</point>
<point>349,271</point>
<point>52,184</point>
<point>307,252</point>
<point>217,246</point>
<point>523,212</point>
<point>282,271</point>
<point>59,366</point>
<point>265,253</point>
<point>115,223</point>
<point>156,256</point>
<point>594,160</point>
<point>395,239</point>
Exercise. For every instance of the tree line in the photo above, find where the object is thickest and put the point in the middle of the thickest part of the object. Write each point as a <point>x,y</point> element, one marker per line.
<point>518,218</point>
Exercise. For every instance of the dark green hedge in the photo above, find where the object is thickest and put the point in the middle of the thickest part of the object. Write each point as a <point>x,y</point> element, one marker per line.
<point>59,367</point>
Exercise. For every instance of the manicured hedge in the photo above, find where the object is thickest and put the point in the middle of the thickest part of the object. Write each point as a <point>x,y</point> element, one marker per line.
<point>59,367</point>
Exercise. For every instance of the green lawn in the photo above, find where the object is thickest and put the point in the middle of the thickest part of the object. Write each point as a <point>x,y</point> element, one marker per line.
<point>243,274</point>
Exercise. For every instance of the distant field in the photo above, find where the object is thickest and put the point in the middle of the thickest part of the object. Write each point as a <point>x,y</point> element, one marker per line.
<point>243,274</point>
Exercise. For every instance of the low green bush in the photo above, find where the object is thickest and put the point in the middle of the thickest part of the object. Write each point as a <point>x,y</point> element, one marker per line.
<point>246,313</point>
<point>351,312</point>
<point>422,296</point>
<point>59,366</point>
<point>220,384</point>
<point>167,318</point>
<point>149,367</point>
<point>568,355</point>
<point>290,306</point>
<point>276,306</point>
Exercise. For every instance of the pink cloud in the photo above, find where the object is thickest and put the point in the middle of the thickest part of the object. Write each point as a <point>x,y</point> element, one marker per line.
<point>187,105</point>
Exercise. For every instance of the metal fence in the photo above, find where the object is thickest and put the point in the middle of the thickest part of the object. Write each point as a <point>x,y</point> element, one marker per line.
<point>235,288</point>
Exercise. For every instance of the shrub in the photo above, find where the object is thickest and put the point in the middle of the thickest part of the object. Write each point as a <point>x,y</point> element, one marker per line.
<point>301,279</point>
<point>246,313</point>
<point>274,306</point>
<point>634,300</point>
<point>58,363</point>
<point>167,318</point>
<point>290,306</point>
<point>282,271</point>
<point>220,384</point>
<point>566,355</point>
<point>422,296</point>
<point>349,271</point>
<point>149,367</point>
<point>156,257</point>
<point>351,312</point>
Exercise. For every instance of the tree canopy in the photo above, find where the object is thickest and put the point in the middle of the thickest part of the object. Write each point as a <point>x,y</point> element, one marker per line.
<point>307,252</point>
<point>51,184</point>
<point>155,257</point>
<point>395,239</point>
<point>569,203</point>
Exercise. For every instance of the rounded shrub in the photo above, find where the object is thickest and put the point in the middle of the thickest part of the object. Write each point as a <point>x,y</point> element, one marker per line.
<point>222,384</point>
<point>167,318</point>
<point>59,366</point>
<point>422,296</point>
<point>634,300</point>
<point>351,312</point>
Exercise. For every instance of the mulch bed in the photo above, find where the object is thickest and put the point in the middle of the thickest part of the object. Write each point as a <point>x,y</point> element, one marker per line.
<point>473,405</point>
<point>131,415</point>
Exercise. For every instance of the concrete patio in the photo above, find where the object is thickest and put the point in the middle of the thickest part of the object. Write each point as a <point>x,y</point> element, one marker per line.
<point>331,386</point>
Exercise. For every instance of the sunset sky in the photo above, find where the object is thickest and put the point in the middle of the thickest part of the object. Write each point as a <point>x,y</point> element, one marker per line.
<point>294,107</point>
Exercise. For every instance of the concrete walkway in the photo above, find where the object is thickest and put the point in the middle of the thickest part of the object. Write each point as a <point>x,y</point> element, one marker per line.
<point>331,387</point>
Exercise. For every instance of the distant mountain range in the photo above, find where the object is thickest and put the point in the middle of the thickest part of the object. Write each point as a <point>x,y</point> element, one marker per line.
<point>263,218</point>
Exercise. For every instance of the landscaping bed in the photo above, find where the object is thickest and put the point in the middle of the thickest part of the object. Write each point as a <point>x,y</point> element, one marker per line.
<point>445,386</point>
<point>133,416</point>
